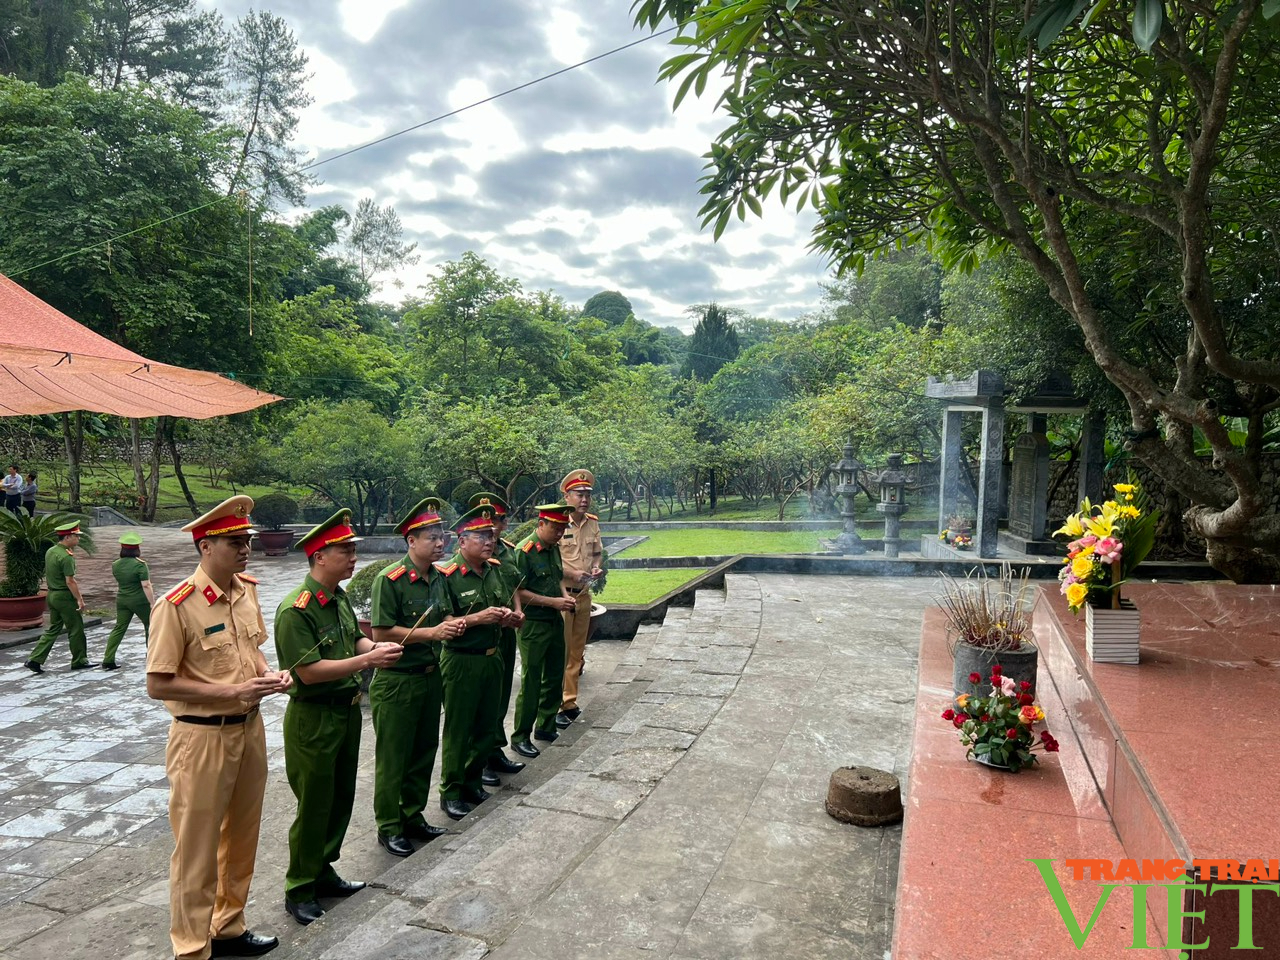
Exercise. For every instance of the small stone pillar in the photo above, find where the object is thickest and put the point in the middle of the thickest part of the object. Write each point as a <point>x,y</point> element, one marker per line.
<point>847,470</point>
<point>864,796</point>
<point>893,503</point>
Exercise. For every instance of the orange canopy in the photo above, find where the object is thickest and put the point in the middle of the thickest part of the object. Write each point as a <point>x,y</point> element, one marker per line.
<point>50,364</point>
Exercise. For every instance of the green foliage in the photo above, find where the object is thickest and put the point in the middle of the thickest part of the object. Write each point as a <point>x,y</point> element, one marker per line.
<point>609,306</point>
<point>461,496</point>
<point>360,587</point>
<point>26,540</point>
<point>645,586</point>
<point>713,344</point>
<point>275,510</point>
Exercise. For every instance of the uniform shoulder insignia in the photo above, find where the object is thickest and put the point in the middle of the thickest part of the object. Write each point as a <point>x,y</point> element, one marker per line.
<point>528,545</point>
<point>495,561</point>
<point>396,573</point>
<point>508,543</point>
<point>303,599</point>
<point>180,592</point>
<point>592,516</point>
<point>247,579</point>
<point>446,570</point>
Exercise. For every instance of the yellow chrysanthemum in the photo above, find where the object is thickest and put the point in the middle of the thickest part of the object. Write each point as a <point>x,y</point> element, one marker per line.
<point>1082,567</point>
<point>1076,593</point>
<point>1125,488</point>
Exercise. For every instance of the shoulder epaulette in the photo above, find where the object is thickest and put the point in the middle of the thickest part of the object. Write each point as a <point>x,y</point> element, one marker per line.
<point>508,543</point>
<point>446,570</point>
<point>180,592</point>
<point>397,573</point>
<point>592,516</point>
<point>248,579</point>
<point>303,599</point>
<point>495,561</point>
<point>528,545</point>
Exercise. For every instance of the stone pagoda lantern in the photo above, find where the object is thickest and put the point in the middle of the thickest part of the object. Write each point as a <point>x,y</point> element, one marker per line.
<point>893,502</point>
<point>846,468</point>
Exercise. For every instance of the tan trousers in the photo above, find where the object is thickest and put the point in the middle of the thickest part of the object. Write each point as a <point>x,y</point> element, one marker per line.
<point>217,776</point>
<point>576,624</point>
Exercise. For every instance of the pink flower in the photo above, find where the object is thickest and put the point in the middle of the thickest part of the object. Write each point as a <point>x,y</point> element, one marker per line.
<point>1088,540</point>
<point>1007,686</point>
<point>1108,549</point>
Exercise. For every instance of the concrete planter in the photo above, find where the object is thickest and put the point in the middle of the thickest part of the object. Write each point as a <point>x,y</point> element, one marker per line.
<point>18,613</point>
<point>1017,665</point>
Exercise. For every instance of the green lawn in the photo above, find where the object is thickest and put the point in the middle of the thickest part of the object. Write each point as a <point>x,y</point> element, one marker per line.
<point>642,586</point>
<point>735,508</point>
<point>716,543</point>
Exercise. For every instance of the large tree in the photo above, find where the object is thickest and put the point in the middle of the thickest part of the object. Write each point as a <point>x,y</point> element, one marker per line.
<point>937,120</point>
<point>713,344</point>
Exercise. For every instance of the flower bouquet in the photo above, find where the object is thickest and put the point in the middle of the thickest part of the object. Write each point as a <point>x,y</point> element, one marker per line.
<point>999,728</point>
<point>962,541</point>
<point>1111,539</point>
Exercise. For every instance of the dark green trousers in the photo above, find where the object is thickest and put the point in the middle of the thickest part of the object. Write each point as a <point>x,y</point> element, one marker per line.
<point>406,719</point>
<point>63,615</point>
<point>542,676</point>
<point>321,752</point>
<point>126,609</point>
<point>471,687</point>
<point>507,651</point>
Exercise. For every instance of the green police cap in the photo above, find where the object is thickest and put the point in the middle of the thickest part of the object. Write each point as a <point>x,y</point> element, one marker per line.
<point>130,540</point>
<point>428,512</point>
<point>477,518</point>
<point>500,507</point>
<point>68,528</point>
<point>337,529</point>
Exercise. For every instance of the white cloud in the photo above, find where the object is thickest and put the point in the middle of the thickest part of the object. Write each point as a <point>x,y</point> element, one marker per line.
<point>364,18</point>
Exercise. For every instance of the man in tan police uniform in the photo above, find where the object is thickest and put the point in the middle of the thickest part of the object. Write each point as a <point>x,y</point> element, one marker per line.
<point>205,662</point>
<point>581,553</point>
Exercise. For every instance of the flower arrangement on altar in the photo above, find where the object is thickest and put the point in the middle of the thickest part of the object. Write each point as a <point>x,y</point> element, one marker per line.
<point>962,541</point>
<point>1111,539</point>
<point>999,728</point>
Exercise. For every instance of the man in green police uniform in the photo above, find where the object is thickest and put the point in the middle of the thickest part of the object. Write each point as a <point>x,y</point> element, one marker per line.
<point>406,697</point>
<point>474,593</point>
<point>66,605</point>
<point>319,641</point>
<point>544,599</point>
<point>504,551</point>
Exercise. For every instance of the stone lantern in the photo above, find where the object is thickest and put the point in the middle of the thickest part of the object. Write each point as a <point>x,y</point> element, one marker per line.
<point>893,502</point>
<point>846,468</point>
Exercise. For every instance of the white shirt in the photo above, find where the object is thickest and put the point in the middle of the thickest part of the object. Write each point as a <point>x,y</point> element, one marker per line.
<point>12,483</point>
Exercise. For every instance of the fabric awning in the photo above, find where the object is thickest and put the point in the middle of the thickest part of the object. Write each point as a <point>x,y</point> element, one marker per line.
<point>49,363</point>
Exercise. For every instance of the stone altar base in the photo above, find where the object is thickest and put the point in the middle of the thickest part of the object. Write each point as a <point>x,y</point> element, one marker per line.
<point>1038,548</point>
<point>1173,759</point>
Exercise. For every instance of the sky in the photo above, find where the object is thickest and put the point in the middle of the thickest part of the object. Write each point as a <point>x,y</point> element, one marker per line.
<point>585,182</point>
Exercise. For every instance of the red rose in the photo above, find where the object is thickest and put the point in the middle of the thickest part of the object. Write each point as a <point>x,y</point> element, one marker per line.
<point>996,670</point>
<point>975,677</point>
<point>951,714</point>
<point>957,723</point>
<point>985,718</point>
<point>1051,746</point>
<point>1012,733</point>
<point>1025,699</point>
<point>1045,736</point>
<point>1025,686</point>
<point>962,717</point>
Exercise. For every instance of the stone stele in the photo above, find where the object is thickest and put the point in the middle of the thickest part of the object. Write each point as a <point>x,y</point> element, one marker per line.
<point>864,796</point>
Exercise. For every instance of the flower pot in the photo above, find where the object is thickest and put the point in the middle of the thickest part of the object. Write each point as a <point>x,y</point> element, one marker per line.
<point>1110,635</point>
<point>988,762</point>
<point>275,543</point>
<point>18,613</point>
<point>1017,665</point>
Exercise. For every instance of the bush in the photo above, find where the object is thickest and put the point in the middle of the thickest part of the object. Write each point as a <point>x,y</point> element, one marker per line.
<point>462,493</point>
<point>275,510</point>
<point>360,587</point>
<point>522,531</point>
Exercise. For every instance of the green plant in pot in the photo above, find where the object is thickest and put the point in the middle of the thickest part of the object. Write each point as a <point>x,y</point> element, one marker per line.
<point>26,540</point>
<point>989,624</point>
<point>270,514</point>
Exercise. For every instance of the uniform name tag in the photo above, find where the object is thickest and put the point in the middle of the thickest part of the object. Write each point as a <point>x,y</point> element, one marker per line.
<point>468,593</point>
<point>215,628</point>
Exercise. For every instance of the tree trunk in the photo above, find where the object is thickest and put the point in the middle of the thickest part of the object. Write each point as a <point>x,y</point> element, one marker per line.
<point>135,449</point>
<point>171,440</point>
<point>73,440</point>
<point>153,479</point>
<point>714,494</point>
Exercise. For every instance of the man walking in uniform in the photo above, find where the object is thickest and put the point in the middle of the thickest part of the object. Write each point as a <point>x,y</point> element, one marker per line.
<point>406,697</point>
<point>205,662</point>
<point>319,640</point>
<point>582,552</point>
<point>504,552</point>
<point>66,604</point>
<point>544,600</point>
<point>475,594</point>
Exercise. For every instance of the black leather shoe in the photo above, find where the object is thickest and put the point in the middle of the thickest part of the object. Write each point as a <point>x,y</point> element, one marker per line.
<point>475,797</point>
<point>525,749</point>
<point>248,944</point>
<point>111,666</point>
<point>83,666</point>
<point>309,911</point>
<point>490,779</point>
<point>33,666</point>
<point>563,720</point>
<point>573,713</point>
<point>395,845</point>
<point>455,809</point>
<point>424,832</point>
<point>500,764</point>
<point>547,735</point>
<point>345,888</point>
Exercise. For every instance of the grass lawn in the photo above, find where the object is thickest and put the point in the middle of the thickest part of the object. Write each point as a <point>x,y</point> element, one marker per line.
<point>735,508</point>
<point>642,586</point>
<point>716,543</point>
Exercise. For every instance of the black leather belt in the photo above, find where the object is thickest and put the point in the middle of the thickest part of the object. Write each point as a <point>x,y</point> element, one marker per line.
<point>422,671</point>
<point>219,721</point>
<point>575,589</point>
<point>337,700</point>
<point>472,653</point>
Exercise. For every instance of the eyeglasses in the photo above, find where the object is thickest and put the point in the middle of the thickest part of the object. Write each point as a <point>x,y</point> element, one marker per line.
<point>481,536</point>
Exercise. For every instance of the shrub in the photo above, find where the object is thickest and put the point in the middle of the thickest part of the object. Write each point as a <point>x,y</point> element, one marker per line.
<point>462,494</point>
<point>360,587</point>
<point>275,510</point>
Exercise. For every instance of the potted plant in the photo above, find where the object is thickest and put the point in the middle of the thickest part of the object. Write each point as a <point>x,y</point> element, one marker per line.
<point>26,540</point>
<point>988,625</point>
<point>272,512</point>
<point>997,722</point>
<point>1111,539</point>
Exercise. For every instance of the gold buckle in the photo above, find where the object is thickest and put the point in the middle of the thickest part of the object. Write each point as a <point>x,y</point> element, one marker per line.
<point>356,698</point>
<point>491,651</point>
